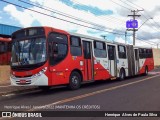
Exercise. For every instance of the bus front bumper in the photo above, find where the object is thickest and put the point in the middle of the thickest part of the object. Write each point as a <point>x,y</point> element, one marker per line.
<point>41,80</point>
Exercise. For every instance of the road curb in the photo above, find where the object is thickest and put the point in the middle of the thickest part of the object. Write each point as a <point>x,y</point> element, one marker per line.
<point>18,91</point>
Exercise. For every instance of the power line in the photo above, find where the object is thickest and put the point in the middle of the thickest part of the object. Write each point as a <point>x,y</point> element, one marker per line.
<point>45,14</point>
<point>127,4</point>
<point>155,28</point>
<point>66,15</point>
<point>150,22</point>
<point>143,14</point>
<point>63,14</point>
<point>142,9</point>
<point>134,30</point>
<point>120,5</point>
<point>145,41</point>
<point>135,4</point>
<point>75,1</point>
<point>60,18</point>
<point>110,19</point>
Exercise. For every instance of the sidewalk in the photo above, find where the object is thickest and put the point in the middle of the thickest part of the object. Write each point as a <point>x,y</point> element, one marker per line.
<point>6,88</point>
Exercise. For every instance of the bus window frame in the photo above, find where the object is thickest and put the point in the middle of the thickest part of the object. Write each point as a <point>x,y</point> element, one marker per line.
<point>48,54</point>
<point>103,49</point>
<point>122,55</point>
<point>80,45</point>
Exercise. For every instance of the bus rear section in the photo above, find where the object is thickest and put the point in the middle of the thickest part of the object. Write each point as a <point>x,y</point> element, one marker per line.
<point>145,61</point>
<point>5,51</point>
<point>140,60</point>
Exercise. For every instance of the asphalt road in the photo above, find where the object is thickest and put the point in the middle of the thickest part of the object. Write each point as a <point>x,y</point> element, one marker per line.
<point>140,93</point>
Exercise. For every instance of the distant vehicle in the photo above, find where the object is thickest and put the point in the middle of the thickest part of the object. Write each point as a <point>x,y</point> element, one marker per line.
<point>5,51</point>
<point>45,56</point>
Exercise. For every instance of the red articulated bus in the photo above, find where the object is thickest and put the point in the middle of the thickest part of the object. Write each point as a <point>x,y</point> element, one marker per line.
<point>45,56</point>
<point>5,51</point>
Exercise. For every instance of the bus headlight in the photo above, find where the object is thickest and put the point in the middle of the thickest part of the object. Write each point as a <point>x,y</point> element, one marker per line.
<point>12,76</point>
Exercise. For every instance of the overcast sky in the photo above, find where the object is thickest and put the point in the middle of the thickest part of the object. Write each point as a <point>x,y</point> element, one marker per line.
<point>107,15</point>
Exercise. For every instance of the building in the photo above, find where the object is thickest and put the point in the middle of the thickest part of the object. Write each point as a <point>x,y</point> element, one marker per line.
<point>5,34</point>
<point>7,30</point>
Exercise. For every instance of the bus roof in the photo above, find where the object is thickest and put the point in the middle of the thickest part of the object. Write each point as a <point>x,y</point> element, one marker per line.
<point>85,36</point>
<point>142,47</point>
<point>5,39</point>
<point>94,38</point>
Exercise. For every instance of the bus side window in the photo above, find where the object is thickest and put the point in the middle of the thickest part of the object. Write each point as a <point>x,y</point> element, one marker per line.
<point>9,47</point>
<point>75,46</point>
<point>142,53</point>
<point>149,53</point>
<point>57,47</point>
<point>136,54</point>
<point>121,51</point>
<point>111,52</point>
<point>145,53</point>
<point>100,49</point>
<point>3,47</point>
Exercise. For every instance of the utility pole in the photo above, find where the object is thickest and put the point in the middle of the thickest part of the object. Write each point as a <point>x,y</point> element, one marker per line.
<point>134,17</point>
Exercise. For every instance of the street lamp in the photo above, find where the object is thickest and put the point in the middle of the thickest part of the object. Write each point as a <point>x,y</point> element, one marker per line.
<point>134,30</point>
<point>144,22</point>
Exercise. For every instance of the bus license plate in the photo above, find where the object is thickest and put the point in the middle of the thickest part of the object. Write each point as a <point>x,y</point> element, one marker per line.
<point>22,81</point>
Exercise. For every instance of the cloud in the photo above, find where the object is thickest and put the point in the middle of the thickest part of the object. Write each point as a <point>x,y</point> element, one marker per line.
<point>27,18</point>
<point>24,17</point>
<point>120,40</point>
<point>144,43</point>
<point>144,35</point>
<point>101,4</point>
<point>57,5</point>
<point>113,22</point>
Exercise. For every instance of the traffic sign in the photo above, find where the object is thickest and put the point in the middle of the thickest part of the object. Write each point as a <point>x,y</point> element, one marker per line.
<point>132,24</point>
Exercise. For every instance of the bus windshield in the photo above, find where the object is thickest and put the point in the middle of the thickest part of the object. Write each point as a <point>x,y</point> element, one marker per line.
<point>29,51</point>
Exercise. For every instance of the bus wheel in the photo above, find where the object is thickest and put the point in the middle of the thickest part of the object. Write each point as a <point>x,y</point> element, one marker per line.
<point>75,81</point>
<point>146,71</point>
<point>121,75</point>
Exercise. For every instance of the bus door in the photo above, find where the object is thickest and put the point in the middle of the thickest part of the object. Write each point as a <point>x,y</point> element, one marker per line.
<point>112,60</point>
<point>88,60</point>
<point>136,61</point>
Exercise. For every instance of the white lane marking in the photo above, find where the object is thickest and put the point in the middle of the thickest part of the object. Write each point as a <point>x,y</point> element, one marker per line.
<point>90,94</point>
<point>8,95</point>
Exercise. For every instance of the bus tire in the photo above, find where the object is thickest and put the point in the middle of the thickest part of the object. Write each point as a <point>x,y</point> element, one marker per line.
<point>122,74</point>
<point>74,81</point>
<point>146,71</point>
